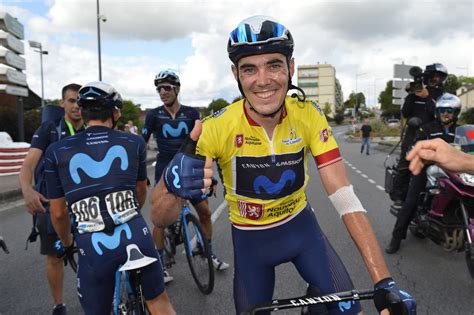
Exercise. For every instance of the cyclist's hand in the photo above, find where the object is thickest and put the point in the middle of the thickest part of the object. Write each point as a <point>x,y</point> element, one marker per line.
<point>64,252</point>
<point>188,175</point>
<point>387,295</point>
<point>34,201</point>
<point>213,188</point>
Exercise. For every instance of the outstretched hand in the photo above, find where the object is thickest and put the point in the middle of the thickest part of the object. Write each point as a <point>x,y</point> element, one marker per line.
<point>188,175</point>
<point>435,151</point>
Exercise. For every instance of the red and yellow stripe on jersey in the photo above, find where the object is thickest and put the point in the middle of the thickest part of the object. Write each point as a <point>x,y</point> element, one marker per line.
<point>265,179</point>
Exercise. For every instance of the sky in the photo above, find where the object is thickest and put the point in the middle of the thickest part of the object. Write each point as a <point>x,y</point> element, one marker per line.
<point>362,39</point>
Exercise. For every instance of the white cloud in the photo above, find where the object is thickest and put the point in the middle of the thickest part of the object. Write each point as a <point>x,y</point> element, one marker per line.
<point>355,36</point>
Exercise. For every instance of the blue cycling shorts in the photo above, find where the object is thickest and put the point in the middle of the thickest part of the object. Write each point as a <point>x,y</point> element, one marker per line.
<point>101,254</point>
<point>160,168</point>
<point>300,241</point>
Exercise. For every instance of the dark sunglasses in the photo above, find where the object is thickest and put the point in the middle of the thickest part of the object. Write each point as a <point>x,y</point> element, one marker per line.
<point>448,110</point>
<point>167,88</point>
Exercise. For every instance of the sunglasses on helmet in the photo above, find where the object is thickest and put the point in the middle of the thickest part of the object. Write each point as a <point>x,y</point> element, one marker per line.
<point>448,110</point>
<point>244,34</point>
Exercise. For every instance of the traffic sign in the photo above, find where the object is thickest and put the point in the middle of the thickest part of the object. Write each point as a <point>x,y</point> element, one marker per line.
<point>13,90</point>
<point>9,58</point>
<point>8,75</point>
<point>400,84</point>
<point>11,42</point>
<point>402,71</point>
<point>11,25</point>
<point>398,101</point>
<point>399,94</point>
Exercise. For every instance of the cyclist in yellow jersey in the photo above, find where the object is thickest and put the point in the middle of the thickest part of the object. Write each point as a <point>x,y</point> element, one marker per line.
<point>260,145</point>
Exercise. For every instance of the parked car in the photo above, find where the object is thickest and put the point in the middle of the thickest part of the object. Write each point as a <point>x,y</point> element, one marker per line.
<point>393,123</point>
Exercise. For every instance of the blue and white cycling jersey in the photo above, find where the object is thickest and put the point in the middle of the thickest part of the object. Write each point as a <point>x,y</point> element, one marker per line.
<point>97,171</point>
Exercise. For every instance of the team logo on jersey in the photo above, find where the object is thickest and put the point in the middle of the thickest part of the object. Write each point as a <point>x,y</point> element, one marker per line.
<point>344,306</point>
<point>269,177</point>
<point>171,132</point>
<point>315,105</point>
<point>238,141</point>
<point>252,140</point>
<point>97,169</point>
<point>250,210</point>
<point>263,184</point>
<point>110,241</point>
<point>220,112</point>
<point>293,139</point>
<point>324,135</point>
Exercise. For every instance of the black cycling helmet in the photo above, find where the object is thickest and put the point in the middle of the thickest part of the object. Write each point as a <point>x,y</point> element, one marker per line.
<point>435,68</point>
<point>259,35</point>
<point>167,76</point>
<point>99,95</point>
<point>449,102</point>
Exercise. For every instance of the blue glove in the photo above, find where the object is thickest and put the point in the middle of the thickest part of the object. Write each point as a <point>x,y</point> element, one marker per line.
<point>184,175</point>
<point>387,295</point>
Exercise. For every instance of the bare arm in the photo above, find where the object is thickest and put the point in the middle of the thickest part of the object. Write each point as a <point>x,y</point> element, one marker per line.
<point>333,178</point>
<point>165,206</point>
<point>60,220</point>
<point>33,199</point>
<point>442,154</point>
<point>141,192</point>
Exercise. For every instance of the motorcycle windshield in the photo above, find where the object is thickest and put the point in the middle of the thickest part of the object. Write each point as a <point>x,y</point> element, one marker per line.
<point>464,138</point>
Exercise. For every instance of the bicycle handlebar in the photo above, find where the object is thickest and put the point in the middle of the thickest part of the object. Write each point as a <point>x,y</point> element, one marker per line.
<point>397,308</point>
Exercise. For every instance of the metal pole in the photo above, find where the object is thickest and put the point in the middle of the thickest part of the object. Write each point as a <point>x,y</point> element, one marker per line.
<point>20,119</point>
<point>98,41</point>
<point>42,84</point>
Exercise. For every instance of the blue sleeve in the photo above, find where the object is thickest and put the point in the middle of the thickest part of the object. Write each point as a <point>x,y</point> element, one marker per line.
<point>197,116</point>
<point>147,129</point>
<point>42,137</point>
<point>142,157</point>
<point>54,188</point>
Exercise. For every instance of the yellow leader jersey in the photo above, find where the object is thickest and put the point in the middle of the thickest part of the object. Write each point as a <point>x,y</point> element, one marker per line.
<point>265,180</point>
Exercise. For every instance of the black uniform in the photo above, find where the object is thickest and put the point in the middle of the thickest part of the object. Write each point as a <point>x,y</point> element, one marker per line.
<point>414,106</point>
<point>417,183</point>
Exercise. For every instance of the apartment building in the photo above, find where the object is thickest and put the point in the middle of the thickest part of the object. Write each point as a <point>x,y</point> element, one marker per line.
<point>320,84</point>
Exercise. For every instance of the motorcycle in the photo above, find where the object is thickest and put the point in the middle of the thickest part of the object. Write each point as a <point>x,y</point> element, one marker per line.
<point>445,213</point>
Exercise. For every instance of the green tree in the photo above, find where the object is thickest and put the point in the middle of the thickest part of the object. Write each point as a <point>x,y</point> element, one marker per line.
<point>215,106</point>
<point>452,84</point>
<point>327,109</point>
<point>465,80</point>
<point>55,101</point>
<point>355,101</point>
<point>238,98</point>
<point>385,98</point>
<point>130,111</point>
<point>467,117</point>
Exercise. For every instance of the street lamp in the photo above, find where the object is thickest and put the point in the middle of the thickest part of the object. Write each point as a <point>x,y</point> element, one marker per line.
<point>103,19</point>
<point>357,98</point>
<point>42,52</point>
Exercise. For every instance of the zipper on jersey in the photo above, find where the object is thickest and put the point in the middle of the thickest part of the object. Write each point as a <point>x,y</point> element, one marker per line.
<point>270,141</point>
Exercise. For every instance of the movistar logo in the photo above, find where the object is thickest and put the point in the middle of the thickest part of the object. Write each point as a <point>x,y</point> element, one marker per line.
<point>91,91</point>
<point>168,130</point>
<point>176,177</point>
<point>262,182</point>
<point>110,241</point>
<point>97,169</point>
<point>344,306</point>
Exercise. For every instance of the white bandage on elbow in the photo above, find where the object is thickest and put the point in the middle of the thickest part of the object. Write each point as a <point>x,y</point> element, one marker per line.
<point>345,201</point>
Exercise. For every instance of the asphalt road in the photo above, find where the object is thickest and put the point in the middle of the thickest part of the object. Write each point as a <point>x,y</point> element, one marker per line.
<point>437,279</point>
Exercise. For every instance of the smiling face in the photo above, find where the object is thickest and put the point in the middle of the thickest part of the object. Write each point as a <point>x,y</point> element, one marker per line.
<point>168,93</point>
<point>264,80</point>
<point>71,109</point>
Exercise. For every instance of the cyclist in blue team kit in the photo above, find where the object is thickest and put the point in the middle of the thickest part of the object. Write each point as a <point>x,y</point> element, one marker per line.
<point>261,145</point>
<point>99,177</point>
<point>171,124</point>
